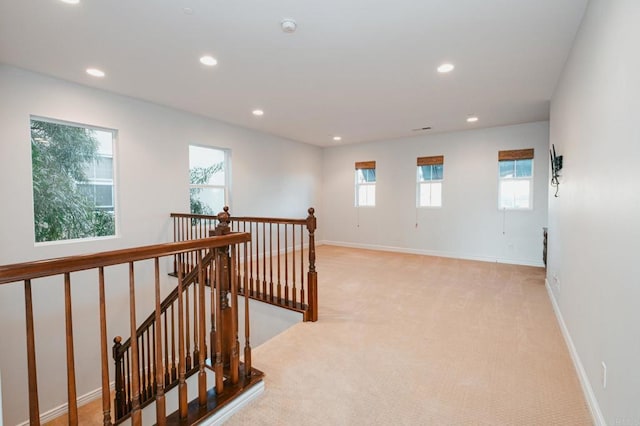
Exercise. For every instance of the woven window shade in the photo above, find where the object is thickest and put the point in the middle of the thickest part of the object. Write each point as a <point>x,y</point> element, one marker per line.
<point>431,161</point>
<point>516,154</point>
<point>360,165</point>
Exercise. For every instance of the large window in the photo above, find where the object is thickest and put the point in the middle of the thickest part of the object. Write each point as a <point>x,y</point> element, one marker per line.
<point>515,183</point>
<point>73,180</point>
<point>430,175</point>
<point>365,184</point>
<point>208,179</point>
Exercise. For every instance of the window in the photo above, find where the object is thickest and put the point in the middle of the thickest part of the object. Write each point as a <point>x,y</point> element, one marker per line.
<point>366,184</point>
<point>515,181</point>
<point>73,181</point>
<point>430,175</point>
<point>208,180</point>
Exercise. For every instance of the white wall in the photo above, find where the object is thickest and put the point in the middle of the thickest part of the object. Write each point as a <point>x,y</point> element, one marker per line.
<point>469,224</point>
<point>270,177</point>
<point>594,235</point>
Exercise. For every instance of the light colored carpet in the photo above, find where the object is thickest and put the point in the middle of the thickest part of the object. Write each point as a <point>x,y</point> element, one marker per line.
<point>417,340</point>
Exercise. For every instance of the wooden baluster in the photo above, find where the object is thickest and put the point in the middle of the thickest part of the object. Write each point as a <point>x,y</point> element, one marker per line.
<point>127,376</point>
<point>279,287</point>
<point>257,237</point>
<point>174,371</point>
<point>218,318</point>
<point>286,264</point>
<point>247,345</point>
<point>312,276</point>
<point>141,374</point>
<point>293,265</point>
<point>34,409</point>
<point>106,391</point>
<point>161,409</point>
<point>302,265</point>
<point>149,371</point>
<point>153,364</point>
<point>188,328</point>
<point>136,413</point>
<point>202,374</point>
<point>250,260</point>
<point>167,367</point>
<point>239,272</point>
<point>271,262</point>
<point>264,261</point>
<point>175,238</point>
<point>234,362</point>
<point>212,292</point>
<point>196,335</point>
<point>72,398</point>
<point>182,385</point>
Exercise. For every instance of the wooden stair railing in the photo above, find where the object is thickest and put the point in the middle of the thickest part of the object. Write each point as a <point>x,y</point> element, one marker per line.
<point>231,375</point>
<point>278,266</point>
<point>145,335</point>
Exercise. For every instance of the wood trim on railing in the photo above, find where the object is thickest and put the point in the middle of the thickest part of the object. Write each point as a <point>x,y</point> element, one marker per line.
<point>46,268</point>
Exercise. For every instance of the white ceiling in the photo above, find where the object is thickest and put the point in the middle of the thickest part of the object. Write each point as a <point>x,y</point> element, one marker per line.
<point>362,69</point>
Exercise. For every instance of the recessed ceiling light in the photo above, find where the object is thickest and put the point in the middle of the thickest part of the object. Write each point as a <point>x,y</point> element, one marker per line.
<point>337,138</point>
<point>472,119</point>
<point>445,68</point>
<point>208,60</point>
<point>70,1</point>
<point>187,10</point>
<point>258,112</point>
<point>95,72</point>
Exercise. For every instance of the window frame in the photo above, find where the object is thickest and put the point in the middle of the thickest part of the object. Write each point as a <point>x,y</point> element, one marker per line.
<point>91,181</point>
<point>364,165</point>
<point>432,161</point>
<point>515,156</point>
<point>227,174</point>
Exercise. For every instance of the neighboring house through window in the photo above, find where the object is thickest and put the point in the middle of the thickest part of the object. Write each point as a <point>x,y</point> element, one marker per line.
<point>365,184</point>
<point>515,181</point>
<point>208,179</point>
<point>430,175</point>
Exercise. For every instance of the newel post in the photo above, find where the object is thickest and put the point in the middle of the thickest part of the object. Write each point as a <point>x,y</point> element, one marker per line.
<point>312,275</point>
<point>224,322</point>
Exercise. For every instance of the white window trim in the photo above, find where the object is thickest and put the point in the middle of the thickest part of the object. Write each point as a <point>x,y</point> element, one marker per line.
<point>531,187</point>
<point>227,175</point>
<point>420,182</point>
<point>116,192</point>
<point>357,190</point>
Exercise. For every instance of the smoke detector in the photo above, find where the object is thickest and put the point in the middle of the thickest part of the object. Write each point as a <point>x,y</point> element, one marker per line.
<point>288,25</point>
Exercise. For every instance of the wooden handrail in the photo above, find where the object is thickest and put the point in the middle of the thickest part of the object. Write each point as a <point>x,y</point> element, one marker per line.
<point>137,365</point>
<point>244,218</point>
<point>45,268</point>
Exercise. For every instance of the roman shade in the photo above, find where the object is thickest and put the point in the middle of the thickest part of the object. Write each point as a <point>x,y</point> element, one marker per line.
<point>516,154</point>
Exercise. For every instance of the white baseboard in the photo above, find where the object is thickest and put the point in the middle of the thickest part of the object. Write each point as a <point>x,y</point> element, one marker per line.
<point>523,262</point>
<point>592,402</point>
<point>64,408</point>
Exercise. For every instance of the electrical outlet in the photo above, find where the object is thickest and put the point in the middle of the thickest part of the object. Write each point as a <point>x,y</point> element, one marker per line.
<point>603,375</point>
<point>556,281</point>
